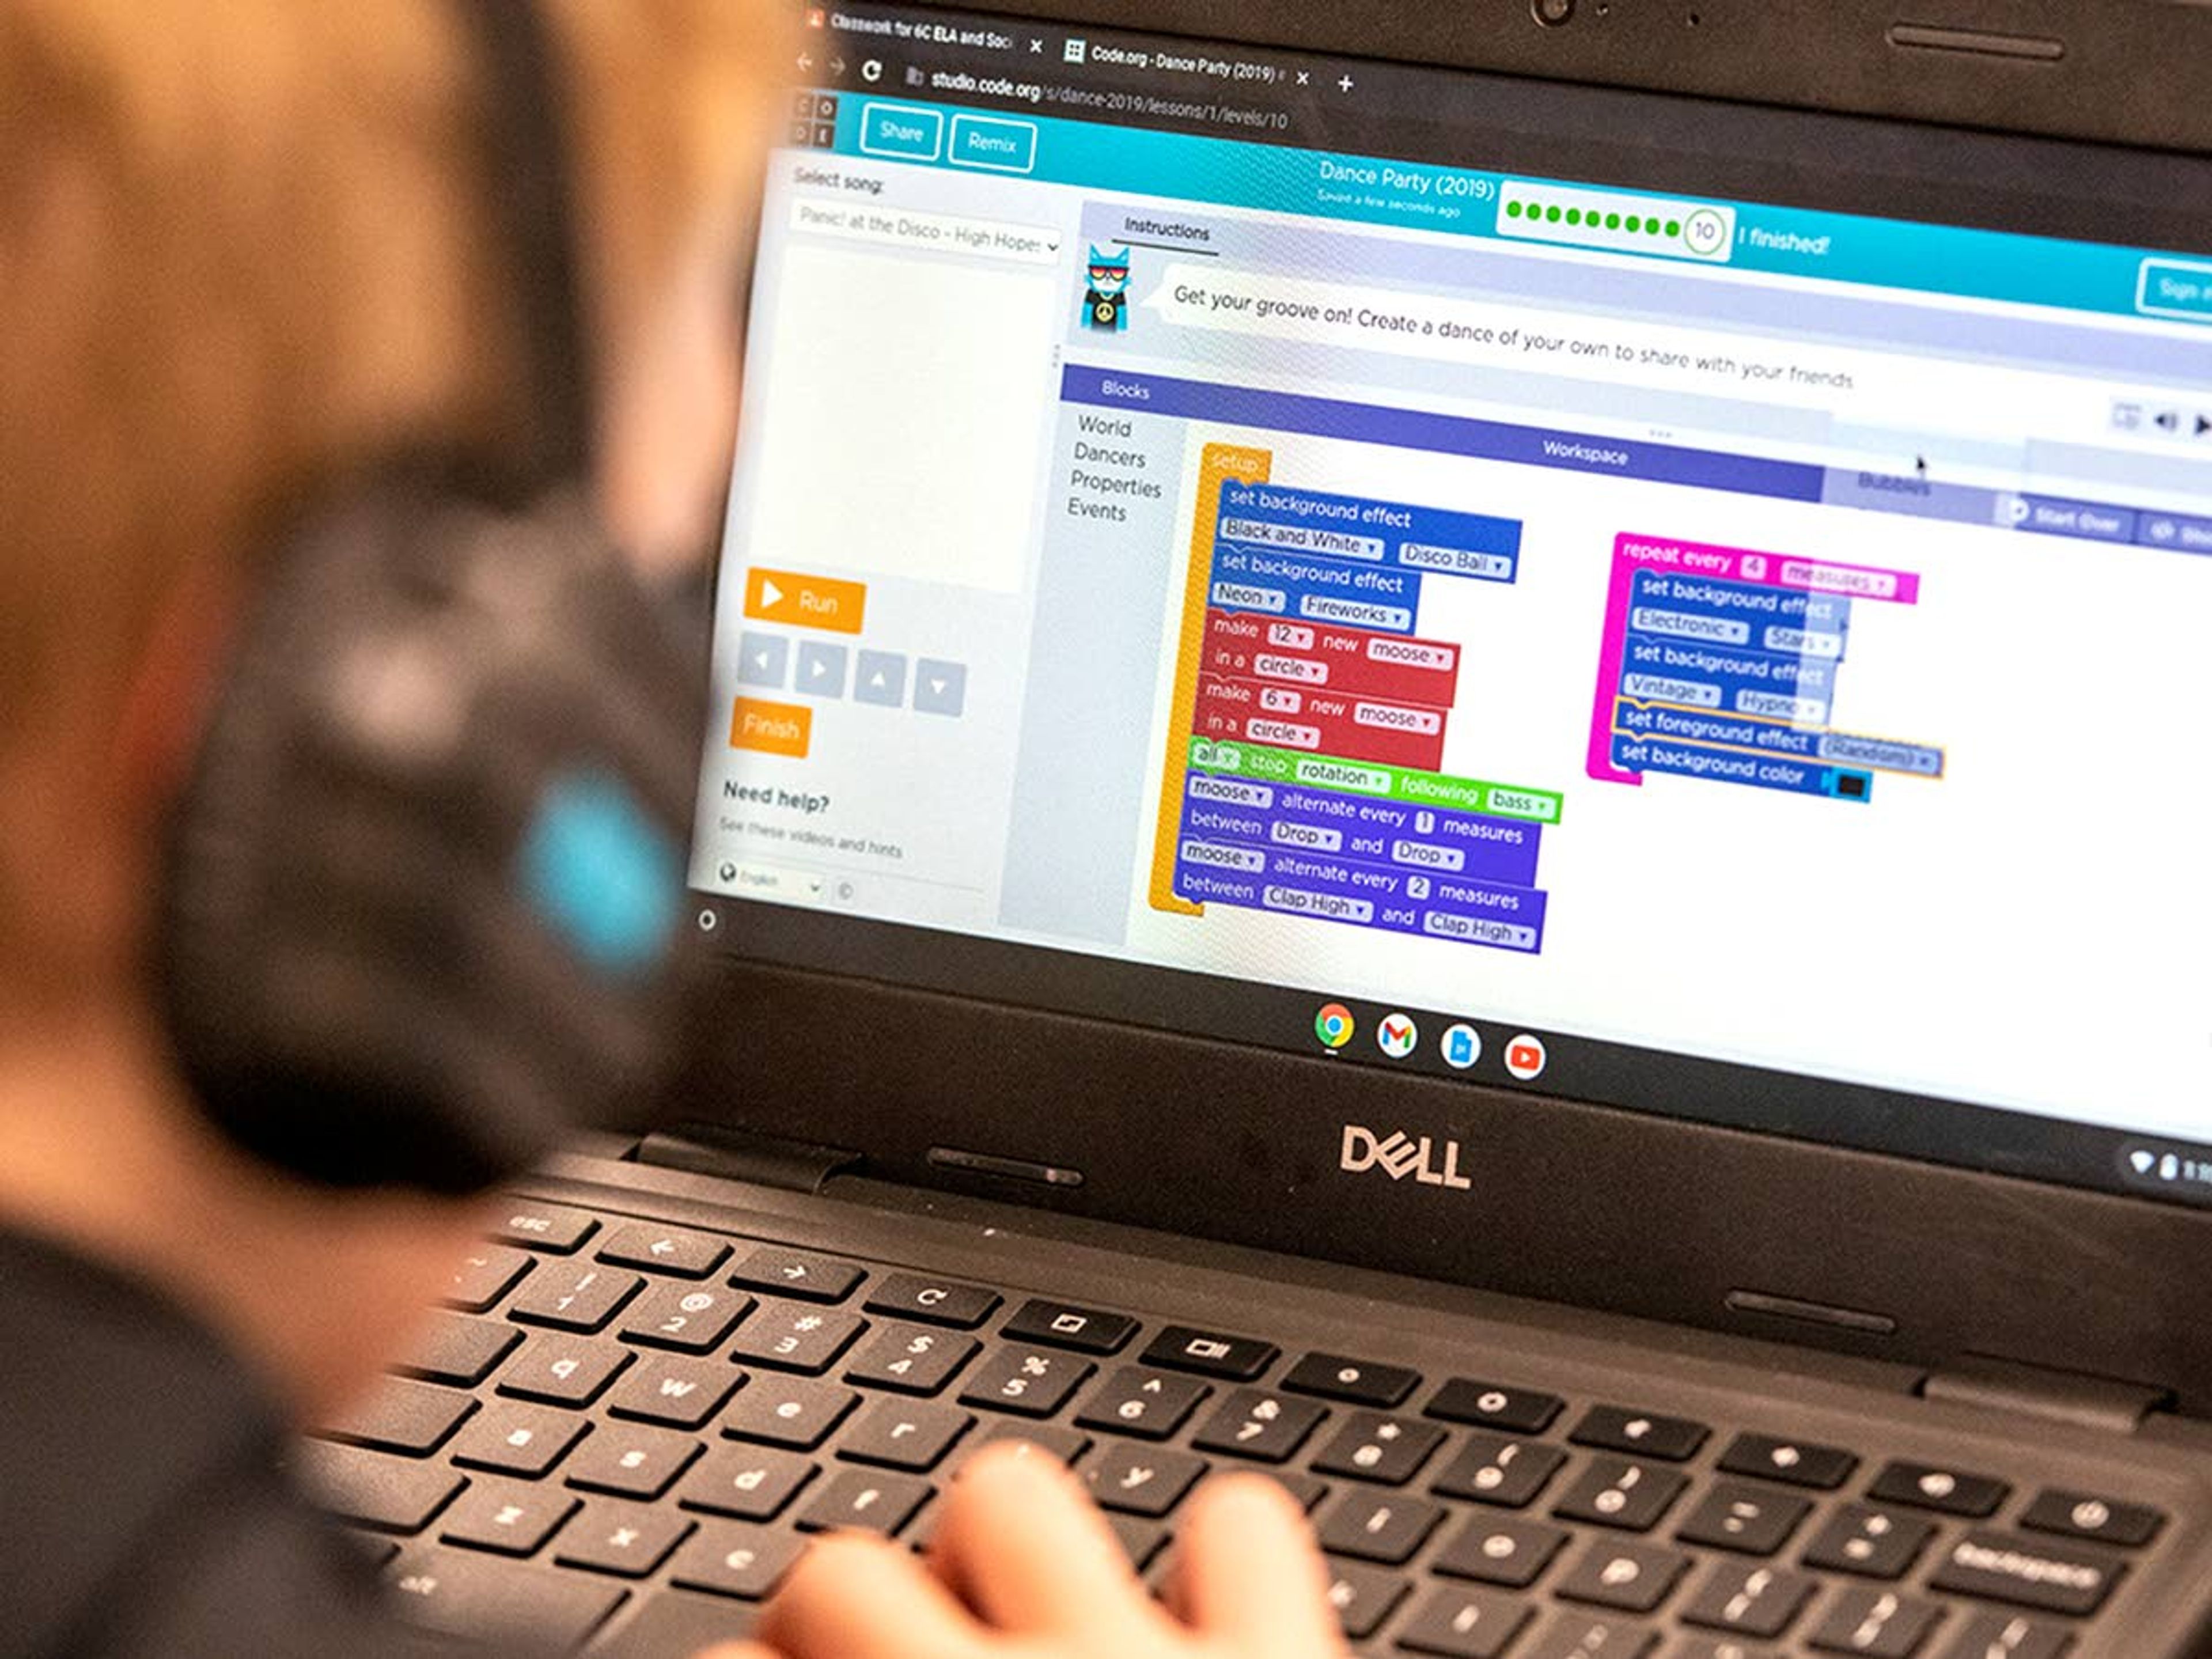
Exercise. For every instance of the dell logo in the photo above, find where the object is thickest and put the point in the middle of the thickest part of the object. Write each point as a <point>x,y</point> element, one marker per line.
<point>1399,1157</point>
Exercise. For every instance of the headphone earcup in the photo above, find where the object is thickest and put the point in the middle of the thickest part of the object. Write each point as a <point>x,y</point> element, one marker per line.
<point>422,909</point>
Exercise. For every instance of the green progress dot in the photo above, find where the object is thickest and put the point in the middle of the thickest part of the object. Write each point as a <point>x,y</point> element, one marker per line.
<point>1635,221</point>
<point>1673,226</point>
<point>1653,225</point>
<point>1612,221</point>
<point>1574,216</point>
<point>1552,214</point>
<point>1513,209</point>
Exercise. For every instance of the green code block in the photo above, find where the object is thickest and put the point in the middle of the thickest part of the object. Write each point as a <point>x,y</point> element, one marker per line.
<point>1497,800</point>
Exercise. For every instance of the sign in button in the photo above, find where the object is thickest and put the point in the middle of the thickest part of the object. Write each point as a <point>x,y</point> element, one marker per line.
<point>2175,287</point>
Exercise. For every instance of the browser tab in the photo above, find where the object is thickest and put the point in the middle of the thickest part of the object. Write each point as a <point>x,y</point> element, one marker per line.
<point>1616,222</point>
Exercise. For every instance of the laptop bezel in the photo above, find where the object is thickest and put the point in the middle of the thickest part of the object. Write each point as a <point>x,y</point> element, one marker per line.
<point>1874,1255</point>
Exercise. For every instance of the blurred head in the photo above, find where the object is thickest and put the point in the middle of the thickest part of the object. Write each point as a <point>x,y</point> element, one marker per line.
<point>247,248</point>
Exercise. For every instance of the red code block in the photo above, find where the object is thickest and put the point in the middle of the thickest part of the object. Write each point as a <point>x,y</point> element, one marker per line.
<point>1342,659</point>
<point>1321,723</point>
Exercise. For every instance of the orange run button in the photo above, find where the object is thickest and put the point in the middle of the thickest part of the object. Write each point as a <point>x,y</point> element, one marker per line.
<point>772,728</point>
<point>796,601</point>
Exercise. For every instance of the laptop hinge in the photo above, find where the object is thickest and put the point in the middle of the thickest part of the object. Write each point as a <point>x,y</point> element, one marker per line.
<point>2090,1402</point>
<point>739,1155</point>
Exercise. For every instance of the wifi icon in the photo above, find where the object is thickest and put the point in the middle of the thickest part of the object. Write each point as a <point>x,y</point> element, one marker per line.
<point>2143,1161</point>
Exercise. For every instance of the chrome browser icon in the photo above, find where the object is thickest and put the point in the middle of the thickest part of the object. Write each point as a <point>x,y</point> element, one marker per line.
<point>1335,1025</point>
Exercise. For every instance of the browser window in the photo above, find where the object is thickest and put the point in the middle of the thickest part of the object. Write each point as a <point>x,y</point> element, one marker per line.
<point>1581,625</point>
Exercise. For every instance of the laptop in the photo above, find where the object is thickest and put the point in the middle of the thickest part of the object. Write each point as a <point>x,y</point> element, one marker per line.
<point>1457,753</point>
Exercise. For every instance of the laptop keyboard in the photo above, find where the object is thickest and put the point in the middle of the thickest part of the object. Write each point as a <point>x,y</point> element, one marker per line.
<point>621,1433</point>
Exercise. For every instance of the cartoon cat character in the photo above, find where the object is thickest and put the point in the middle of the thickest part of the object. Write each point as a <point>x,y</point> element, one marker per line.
<point>1106,304</point>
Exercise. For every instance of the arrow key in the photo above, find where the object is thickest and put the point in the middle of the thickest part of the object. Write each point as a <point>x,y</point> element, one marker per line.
<point>797,1274</point>
<point>941,687</point>
<point>669,1250</point>
<point>1142,1480</point>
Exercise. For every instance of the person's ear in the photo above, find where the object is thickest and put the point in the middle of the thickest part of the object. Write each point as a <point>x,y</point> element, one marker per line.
<point>170,692</point>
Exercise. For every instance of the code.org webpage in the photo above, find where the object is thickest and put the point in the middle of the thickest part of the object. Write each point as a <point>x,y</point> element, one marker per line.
<point>1732,630</point>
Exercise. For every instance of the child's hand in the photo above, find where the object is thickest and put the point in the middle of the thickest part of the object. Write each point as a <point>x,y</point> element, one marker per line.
<point>1022,1564</point>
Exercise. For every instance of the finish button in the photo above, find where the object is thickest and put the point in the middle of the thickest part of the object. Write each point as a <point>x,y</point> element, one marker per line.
<point>772,728</point>
<point>796,601</point>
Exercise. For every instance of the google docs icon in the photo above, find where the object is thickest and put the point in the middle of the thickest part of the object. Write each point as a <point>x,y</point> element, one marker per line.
<point>1462,1046</point>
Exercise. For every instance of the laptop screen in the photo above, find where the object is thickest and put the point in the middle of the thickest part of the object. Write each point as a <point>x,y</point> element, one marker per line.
<point>1584,594</point>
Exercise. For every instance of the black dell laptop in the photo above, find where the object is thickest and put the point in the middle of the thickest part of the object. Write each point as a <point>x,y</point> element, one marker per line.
<point>1460,752</point>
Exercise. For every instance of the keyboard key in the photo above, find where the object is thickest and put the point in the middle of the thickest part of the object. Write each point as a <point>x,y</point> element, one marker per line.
<point>675,1392</point>
<point>1363,1597</point>
<point>1793,1463</point>
<point>564,1370</point>
<point>676,1624</point>
<point>1057,1325</point>
<point>412,1418</point>
<point>1749,1520</point>
<point>1749,1600</point>
<point>1381,1527</point>
<point>904,1434</point>
<point>1945,1490</point>
<point>1028,1382</point>
<point>375,1489</point>
<point>1509,1473</point>
<point>1579,1635</point>
<point>1209,1353</point>
<point>747,1483</point>
<point>630,1460</point>
<point>1306,1491</point>
<point>1263,1427</point>
<point>551,1228</point>
<point>1511,1552</point>
<point>1877,1624</point>
<point>507,1516</point>
<point>933,1301</point>
<point>1149,1405</point>
<point>2028,1572</point>
<point>1615,1493</point>
<point>797,1274</point>
<point>578,1296</point>
<point>484,1276</point>
<point>782,1411</point>
<point>627,1539</point>
<point>2009,1635</point>
<point>1066,1444</point>
<point>524,1441</point>
<point>1389,1450</point>
<point>459,1351</point>
<point>862,1500</point>
<point>1870,1542</point>
<point>1355,1382</point>
<point>381,1551</point>
<point>669,1250</point>
<point>1721,1647</point>
<point>2098,1520</point>
<point>1142,1541</point>
<point>1631,1577</point>
<point>727,1558</point>
<point>911,1360</point>
<point>1617,1428</point>
<point>469,1596</point>
<point>1464,1624</point>
<point>1489,1406</point>
<point>688,1318</point>
<point>795,1337</point>
<point>1136,1480</point>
